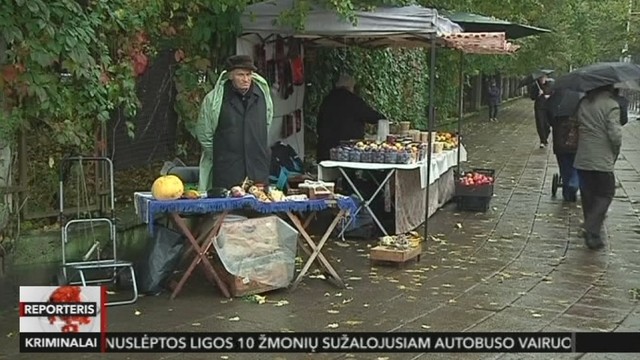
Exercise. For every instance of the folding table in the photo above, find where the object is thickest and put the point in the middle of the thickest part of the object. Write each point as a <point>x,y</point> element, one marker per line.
<point>147,208</point>
<point>440,164</point>
<point>365,204</point>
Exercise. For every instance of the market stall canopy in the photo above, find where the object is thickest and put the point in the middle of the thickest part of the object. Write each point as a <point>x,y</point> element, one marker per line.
<point>479,23</point>
<point>480,43</point>
<point>384,26</point>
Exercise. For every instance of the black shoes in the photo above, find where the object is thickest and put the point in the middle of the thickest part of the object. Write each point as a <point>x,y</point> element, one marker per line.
<point>593,242</point>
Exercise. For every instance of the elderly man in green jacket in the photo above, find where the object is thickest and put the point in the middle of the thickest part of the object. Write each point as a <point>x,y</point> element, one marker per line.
<point>233,127</point>
<point>599,142</point>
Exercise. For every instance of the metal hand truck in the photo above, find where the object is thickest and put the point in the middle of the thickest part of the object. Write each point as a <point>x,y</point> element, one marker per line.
<point>75,272</point>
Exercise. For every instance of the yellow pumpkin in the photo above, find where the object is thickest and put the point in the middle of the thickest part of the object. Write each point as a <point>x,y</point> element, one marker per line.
<point>168,187</point>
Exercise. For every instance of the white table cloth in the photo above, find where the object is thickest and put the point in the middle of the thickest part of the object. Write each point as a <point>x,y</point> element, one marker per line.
<point>440,163</point>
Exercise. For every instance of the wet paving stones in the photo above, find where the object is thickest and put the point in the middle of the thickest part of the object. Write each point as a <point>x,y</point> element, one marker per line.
<point>519,267</point>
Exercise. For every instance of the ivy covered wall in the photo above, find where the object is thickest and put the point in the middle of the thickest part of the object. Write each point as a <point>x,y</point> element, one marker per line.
<point>394,81</point>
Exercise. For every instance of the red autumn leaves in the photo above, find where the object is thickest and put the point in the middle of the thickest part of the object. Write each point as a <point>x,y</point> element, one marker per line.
<point>139,59</point>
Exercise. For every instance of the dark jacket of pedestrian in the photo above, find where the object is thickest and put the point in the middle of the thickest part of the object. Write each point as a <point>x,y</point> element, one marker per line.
<point>493,94</point>
<point>564,128</point>
<point>342,116</point>
<point>564,132</point>
<point>540,113</point>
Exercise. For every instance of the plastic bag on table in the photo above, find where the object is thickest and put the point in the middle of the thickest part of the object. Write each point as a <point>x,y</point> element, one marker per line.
<point>259,249</point>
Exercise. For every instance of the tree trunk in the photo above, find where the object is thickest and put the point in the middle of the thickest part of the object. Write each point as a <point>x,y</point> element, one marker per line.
<point>5,159</point>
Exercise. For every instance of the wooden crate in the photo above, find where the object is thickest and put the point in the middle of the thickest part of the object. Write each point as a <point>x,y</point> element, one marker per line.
<point>381,253</point>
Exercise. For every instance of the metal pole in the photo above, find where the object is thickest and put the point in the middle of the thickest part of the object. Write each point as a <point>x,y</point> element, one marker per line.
<point>625,51</point>
<point>460,105</point>
<point>430,126</point>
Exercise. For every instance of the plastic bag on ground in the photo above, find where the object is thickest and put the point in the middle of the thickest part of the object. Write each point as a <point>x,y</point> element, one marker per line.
<point>162,256</point>
<point>259,249</point>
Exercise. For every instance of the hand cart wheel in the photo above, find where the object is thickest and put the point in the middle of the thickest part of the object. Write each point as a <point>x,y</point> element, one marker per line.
<point>556,182</point>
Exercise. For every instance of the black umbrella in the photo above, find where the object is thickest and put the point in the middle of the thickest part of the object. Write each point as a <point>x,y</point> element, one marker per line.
<point>598,75</point>
<point>564,102</point>
<point>527,80</point>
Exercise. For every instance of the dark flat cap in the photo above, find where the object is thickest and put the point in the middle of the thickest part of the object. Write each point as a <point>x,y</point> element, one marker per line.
<point>240,62</point>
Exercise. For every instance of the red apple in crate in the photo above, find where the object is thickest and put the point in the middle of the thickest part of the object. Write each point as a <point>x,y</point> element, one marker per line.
<point>474,179</point>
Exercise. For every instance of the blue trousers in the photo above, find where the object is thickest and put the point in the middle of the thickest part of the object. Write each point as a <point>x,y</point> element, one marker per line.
<point>569,175</point>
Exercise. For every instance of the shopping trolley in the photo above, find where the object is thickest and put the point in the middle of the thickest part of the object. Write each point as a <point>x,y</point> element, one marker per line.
<point>104,270</point>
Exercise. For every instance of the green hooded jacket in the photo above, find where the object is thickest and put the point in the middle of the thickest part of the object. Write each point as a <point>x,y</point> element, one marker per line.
<point>208,122</point>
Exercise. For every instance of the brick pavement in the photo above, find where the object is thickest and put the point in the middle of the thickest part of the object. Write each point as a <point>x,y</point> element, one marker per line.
<point>519,267</point>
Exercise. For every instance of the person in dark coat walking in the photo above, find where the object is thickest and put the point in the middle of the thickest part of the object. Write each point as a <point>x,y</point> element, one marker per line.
<point>599,143</point>
<point>494,100</point>
<point>564,132</point>
<point>342,116</point>
<point>537,94</point>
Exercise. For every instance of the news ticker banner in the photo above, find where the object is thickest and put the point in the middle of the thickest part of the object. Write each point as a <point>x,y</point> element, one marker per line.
<point>331,342</point>
<point>73,319</point>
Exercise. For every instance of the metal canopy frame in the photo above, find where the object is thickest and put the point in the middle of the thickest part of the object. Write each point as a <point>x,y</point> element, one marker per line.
<point>424,40</point>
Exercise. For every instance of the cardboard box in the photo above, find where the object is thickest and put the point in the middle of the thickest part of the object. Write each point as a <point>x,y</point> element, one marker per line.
<point>388,254</point>
<point>239,286</point>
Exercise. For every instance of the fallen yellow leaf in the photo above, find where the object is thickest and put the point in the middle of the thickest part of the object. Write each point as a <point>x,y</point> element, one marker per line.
<point>333,326</point>
<point>333,311</point>
<point>353,322</point>
<point>137,313</point>
<point>235,318</point>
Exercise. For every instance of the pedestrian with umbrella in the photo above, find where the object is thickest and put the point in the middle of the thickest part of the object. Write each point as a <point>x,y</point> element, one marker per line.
<point>599,139</point>
<point>536,83</point>
<point>561,109</point>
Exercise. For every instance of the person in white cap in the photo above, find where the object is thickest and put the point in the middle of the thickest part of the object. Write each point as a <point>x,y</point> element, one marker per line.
<point>342,116</point>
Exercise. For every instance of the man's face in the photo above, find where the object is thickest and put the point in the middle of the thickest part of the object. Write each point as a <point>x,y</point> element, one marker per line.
<point>241,79</point>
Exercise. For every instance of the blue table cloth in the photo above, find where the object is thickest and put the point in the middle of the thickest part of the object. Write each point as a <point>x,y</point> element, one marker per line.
<point>148,208</point>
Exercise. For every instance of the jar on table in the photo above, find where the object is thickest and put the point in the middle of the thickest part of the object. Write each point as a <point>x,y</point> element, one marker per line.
<point>334,154</point>
<point>378,157</point>
<point>343,154</point>
<point>354,155</point>
<point>366,157</point>
<point>390,157</point>
<point>403,157</point>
